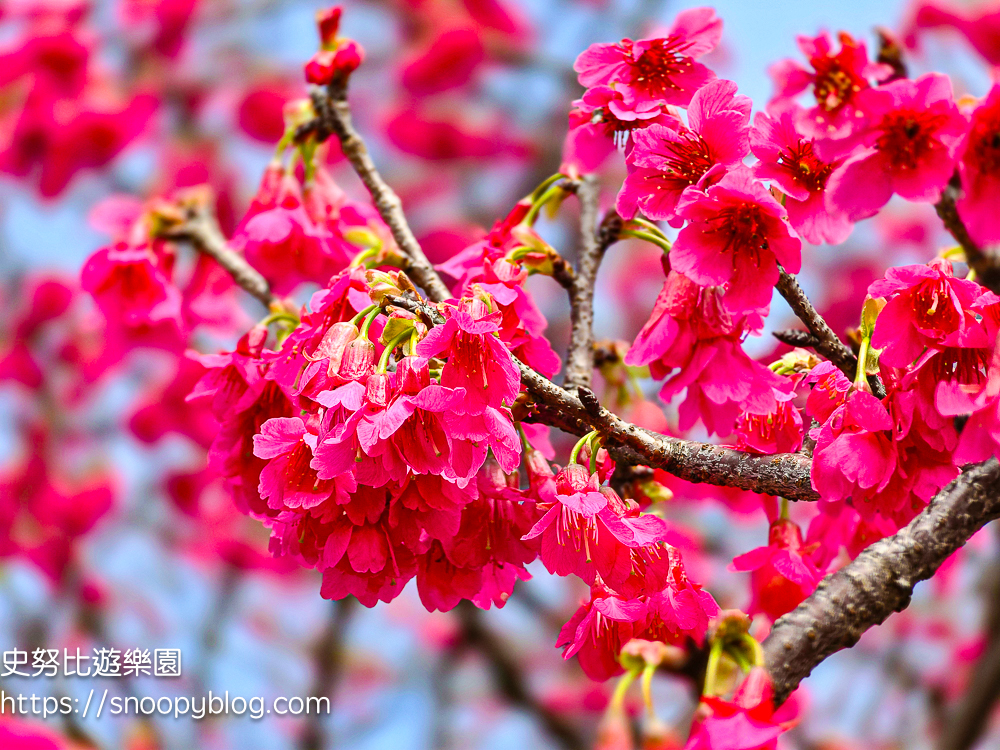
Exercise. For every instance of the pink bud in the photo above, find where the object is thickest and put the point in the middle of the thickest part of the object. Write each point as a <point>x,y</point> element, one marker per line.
<point>412,374</point>
<point>574,478</point>
<point>328,22</point>
<point>333,344</point>
<point>358,359</point>
<point>378,389</point>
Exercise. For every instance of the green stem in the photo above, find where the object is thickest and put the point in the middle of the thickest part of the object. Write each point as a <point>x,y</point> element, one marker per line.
<point>369,319</point>
<point>549,181</point>
<point>650,226</point>
<point>357,318</point>
<point>594,443</point>
<point>575,453</point>
<point>712,670</point>
<point>784,508</point>
<point>861,377</point>
<point>548,195</point>
<point>662,243</point>
<point>365,255</point>
<point>618,697</point>
<point>383,361</point>
<point>647,693</point>
<point>276,316</point>
<point>756,649</point>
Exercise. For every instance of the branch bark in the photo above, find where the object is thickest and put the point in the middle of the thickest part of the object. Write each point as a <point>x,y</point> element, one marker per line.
<point>334,115</point>
<point>880,580</point>
<point>984,263</point>
<point>828,344</point>
<point>594,242</point>
<point>201,229</point>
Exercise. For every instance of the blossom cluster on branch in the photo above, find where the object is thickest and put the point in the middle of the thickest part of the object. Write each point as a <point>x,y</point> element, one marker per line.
<point>392,416</point>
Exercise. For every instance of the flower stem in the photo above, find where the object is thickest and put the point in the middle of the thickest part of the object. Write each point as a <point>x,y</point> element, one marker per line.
<point>383,361</point>
<point>661,242</point>
<point>367,311</point>
<point>575,453</point>
<point>369,319</point>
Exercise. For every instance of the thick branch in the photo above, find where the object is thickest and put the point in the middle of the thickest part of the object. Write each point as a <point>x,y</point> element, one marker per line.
<point>329,662</point>
<point>984,263</point>
<point>202,230</point>
<point>593,243</point>
<point>334,115</point>
<point>508,676</point>
<point>828,344</point>
<point>880,580</point>
<point>795,337</point>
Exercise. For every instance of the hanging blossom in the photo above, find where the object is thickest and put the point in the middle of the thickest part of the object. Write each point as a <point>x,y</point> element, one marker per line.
<point>907,147</point>
<point>651,71</point>
<point>782,574</point>
<point>788,159</point>
<point>837,82</point>
<point>668,159</point>
<point>691,330</point>
<point>603,624</point>
<point>747,722</point>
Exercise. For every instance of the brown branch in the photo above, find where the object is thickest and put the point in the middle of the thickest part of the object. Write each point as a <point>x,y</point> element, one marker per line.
<point>785,474</point>
<point>828,344</point>
<point>200,228</point>
<point>594,242</point>
<point>880,580</point>
<point>985,263</point>
<point>795,337</point>
<point>967,720</point>
<point>334,115</point>
<point>509,677</point>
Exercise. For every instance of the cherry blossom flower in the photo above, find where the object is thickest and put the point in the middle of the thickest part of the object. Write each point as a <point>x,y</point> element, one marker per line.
<point>789,160</point>
<point>979,167</point>
<point>667,159</point>
<point>651,70</point>
<point>908,147</point>
<point>737,233</point>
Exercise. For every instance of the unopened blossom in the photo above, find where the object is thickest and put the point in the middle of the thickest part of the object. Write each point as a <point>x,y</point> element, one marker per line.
<point>979,168</point>
<point>837,80</point>
<point>789,160</point>
<point>651,70</point>
<point>737,234</point>
<point>782,573</point>
<point>667,159</point>
<point>908,147</point>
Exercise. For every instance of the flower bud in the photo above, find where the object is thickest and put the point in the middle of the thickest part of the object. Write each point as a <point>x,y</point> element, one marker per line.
<point>412,374</point>
<point>328,22</point>
<point>333,344</point>
<point>332,65</point>
<point>378,389</point>
<point>358,359</point>
<point>574,478</point>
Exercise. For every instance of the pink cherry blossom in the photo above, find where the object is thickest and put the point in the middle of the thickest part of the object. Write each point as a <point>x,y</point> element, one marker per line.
<point>907,148</point>
<point>651,70</point>
<point>737,233</point>
<point>667,159</point>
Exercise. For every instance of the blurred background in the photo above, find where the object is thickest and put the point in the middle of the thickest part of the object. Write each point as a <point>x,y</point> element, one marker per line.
<point>113,533</point>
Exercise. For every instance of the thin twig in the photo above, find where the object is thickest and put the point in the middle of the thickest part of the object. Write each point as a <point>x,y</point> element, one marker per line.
<point>334,114</point>
<point>828,344</point>
<point>795,337</point>
<point>201,229</point>
<point>984,263</point>
<point>880,580</point>
<point>509,677</point>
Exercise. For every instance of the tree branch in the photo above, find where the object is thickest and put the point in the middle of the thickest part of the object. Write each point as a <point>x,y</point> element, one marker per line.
<point>828,344</point>
<point>984,263</point>
<point>880,580</point>
<point>334,117</point>
<point>508,676</point>
<point>201,229</point>
<point>329,661</point>
<point>594,242</point>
